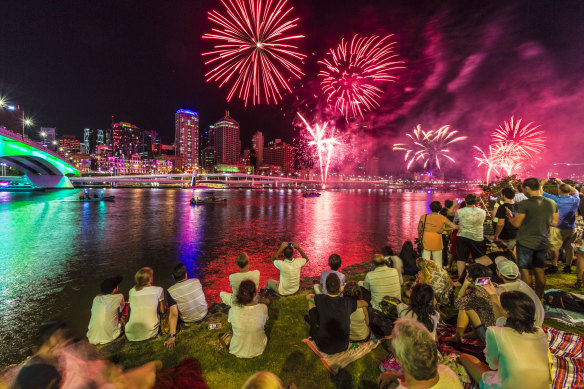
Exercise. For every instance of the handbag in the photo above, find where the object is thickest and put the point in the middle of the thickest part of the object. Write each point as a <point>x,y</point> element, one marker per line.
<point>420,241</point>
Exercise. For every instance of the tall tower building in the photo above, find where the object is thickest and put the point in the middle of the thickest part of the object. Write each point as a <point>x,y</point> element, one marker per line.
<point>227,143</point>
<point>186,134</point>
<point>206,139</point>
<point>279,153</point>
<point>126,139</point>
<point>257,144</point>
<point>90,140</point>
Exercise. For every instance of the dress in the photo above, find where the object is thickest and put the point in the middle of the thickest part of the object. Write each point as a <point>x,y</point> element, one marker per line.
<point>249,339</point>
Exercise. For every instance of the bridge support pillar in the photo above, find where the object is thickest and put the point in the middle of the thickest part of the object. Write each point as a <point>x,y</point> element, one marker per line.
<point>50,181</point>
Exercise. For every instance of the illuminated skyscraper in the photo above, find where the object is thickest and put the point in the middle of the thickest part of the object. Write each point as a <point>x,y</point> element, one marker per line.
<point>68,146</point>
<point>186,134</point>
<point>227,142</point>
<point>126,139</point>
<point>257,143</point>
<point>279,153</point>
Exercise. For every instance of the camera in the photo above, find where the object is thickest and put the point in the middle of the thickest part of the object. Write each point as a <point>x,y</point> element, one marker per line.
<point>552,179</point>
<point>290,244</point>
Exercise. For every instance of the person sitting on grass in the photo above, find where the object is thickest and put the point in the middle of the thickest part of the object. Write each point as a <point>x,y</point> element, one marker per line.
<point>146,303</point>
<point>185,299</point>
<point>517,354</point>
<point>289,270</point>
<point>360,331</point>
<point>415,350</point>
<point>265,380</point>
<point>381,281</point>
<point>437,278</point>
<point>334,263</point>
<point>408,256</point>
<point>329,316</point>
<point>105,325</point>
<point>422,308</point>
<point>393,261</point>
<point>235,279</point>
<point>247,318</point>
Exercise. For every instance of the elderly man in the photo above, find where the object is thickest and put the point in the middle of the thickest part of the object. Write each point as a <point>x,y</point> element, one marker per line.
<point>381,281</point>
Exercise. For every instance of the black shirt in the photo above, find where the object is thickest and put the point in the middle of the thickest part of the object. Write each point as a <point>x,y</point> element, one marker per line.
<point>334,328</point>
<point>508,232</point>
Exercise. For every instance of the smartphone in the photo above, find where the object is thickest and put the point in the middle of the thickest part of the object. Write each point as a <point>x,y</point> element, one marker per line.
<point>459,201</point>
<point>290,244</point>
<point>552,179</point>
<point>482,281</point>
<point>493,198</point>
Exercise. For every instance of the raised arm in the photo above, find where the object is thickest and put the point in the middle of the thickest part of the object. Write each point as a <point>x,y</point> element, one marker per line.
<point>494,299</point>
<point>516,220</point>
<point>297,247</point>
<point>280,249</point>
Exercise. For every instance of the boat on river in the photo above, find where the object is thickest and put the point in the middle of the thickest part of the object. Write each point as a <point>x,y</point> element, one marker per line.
<point>97,199</point>
<point>311,194</point>
<point>207,201</point>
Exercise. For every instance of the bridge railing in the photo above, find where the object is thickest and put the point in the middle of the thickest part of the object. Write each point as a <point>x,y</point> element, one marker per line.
<point>40,146</point>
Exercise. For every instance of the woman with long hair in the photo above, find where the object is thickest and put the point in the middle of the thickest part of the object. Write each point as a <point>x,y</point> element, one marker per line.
<point>247,319</point>
<point>408,256</point>
<point>422,307</point>
<point>146,303</point>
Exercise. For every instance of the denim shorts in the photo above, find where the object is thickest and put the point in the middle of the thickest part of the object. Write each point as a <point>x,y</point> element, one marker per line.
<point>529,259</point>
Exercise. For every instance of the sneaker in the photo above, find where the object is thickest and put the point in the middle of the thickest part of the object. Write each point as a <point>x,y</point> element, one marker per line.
<point>551,270</point>
<point>567,269</point>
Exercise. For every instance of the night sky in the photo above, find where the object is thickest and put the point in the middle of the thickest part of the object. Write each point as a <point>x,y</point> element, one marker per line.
<point>73,64</point>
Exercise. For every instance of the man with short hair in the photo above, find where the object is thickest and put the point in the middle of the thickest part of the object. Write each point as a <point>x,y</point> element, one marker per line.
<point>470,238</point>
<point>381,281</point>
<point>235,279</point>
<point>564,233</point>
<point>185,299</point>
<point>519,195</point>
<point>534,218</point>
<point>334,263</point>
<point>105,325</point>
<point>504,230</point>
<point>289,269</point>
<point>415,350</point>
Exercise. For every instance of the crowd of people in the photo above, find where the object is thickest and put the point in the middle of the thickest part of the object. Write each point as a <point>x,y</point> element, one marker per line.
<point>499,300</point>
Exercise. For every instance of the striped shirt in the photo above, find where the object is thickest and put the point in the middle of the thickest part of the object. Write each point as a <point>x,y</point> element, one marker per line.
<point>190,300</point>
<point>381,282</point>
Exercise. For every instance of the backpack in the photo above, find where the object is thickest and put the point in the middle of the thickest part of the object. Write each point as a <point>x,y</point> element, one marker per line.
<point>564,300</point>
<point>381,322</point>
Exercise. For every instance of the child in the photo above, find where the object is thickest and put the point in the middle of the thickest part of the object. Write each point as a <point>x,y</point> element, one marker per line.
<point>334,262</point>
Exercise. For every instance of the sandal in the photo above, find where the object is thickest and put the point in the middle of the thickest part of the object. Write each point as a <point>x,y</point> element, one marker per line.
<point>579,284</point>
<point>223,344</point>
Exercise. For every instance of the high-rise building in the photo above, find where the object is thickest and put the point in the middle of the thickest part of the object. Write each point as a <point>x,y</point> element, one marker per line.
<point>208,158</point>
<point>279,153</point>
<point>126,139</point>
<point>90,141</point>
<point>257,143</point>
<point>68,146</point>
<point>149,143</point>
<point>206,139</point>
<point>227,142</point>
<point>186,134</point>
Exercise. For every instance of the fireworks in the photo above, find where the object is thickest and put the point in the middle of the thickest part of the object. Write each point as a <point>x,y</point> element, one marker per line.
<point>324,146</point>
<point>354,70</point>
<point>254,52</point>
<point>429,147</point>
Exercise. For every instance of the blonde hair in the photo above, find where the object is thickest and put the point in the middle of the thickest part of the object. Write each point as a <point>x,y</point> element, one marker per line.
<point>143,277</point>
<point>263,380</point>
<point>427,267</point>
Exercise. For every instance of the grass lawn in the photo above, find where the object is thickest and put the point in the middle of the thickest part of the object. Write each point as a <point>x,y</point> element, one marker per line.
<point>285,354</point>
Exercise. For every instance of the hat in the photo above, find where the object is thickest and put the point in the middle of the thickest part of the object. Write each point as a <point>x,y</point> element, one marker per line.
<point>109,284</point>
<point>507,268</point>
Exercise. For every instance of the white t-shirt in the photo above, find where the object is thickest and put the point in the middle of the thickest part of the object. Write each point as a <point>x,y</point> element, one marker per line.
<point>447,379</point>
<point>144,322</point>
<point>247,322</point>
<point>520,286</point>
<point>398,265</point>
<point>383,281</point>
<point>190,300</point>
<point>289,275</point>
<point>236,278</point>
<point>471,221</point>
<point>104,325</point>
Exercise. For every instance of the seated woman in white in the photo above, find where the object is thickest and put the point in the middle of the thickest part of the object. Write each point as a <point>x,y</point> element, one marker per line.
<point>359,331</point>
<point>247,319</point>
<point>146,302</point>
<point>517,354</point>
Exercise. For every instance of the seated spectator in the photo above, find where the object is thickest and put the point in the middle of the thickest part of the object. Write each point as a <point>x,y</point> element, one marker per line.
<point>498,249</point>
<point>474,307</point>
<point>430,228</point>
<point>247,319</point>
<point>393,261</point>
<point>415,350</point>
<point>408,256</point>
<point>334,263</point>
<point>146,302</point>
<point>517,354</point>
<point>360,331</point>
<point>263,380</point>
<point>437,278</point>
<point>105,325</point>
<point>235,279</point>
<point>382,281</point>
<point>289,270</point>
<point>329,316</point>
<point>421,308</point>
<point>185,299</point>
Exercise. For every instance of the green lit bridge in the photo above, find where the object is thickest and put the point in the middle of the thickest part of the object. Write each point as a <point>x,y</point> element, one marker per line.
<point>41,167</point>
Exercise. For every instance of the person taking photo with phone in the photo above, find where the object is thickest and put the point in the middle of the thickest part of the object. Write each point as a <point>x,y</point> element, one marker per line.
<point>289,269</point>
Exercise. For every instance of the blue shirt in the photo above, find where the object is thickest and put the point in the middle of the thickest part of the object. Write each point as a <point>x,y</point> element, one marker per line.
<point>567,207</point>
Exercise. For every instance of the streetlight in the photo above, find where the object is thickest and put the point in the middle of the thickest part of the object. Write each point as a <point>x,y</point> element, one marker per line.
<point>44,136</point>
<point>26,122</point>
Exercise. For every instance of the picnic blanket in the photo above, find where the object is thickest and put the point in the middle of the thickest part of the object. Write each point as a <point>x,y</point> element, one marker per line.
<point>186,374</point>
<point>335,362</point>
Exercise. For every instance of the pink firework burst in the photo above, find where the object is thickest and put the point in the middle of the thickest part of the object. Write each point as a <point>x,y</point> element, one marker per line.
<point>254,51</point>
<point>521,141</point>
<point>353,72</point>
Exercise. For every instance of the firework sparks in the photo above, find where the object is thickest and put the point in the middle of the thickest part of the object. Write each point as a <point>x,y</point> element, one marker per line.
<point>352,72</point>
<point>324,146</point>
<point>429,147</point>
<point>254,52</point>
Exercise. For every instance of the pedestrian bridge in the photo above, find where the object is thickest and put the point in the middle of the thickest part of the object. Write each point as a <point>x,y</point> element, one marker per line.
<point>42,167</point>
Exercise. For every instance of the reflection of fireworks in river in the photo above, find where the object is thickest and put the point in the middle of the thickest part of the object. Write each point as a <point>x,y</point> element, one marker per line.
<point>324,146</point>
<point>352,72</point>
<point>429,146</point>
<point>254,50</point>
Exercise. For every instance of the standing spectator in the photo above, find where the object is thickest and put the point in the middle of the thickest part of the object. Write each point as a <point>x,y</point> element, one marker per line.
<point>416,352</point>
<point>470,238</point>
<point>289,269</point>
<point>408,256</point>
<point>382,281</point>
<point>437,278</point>
<point>519,195</point>
<point>185,298</point>
<point>146,302</point>
<point>534,218</point>
<point>334,263</point>
<point>360,331</point>
<point>393,261</point>
<point>430,228</point>
<point>105,325</point>
<point>422,308</point>
<point>247,319</point>
<point>564,233</point>
<point>449,212</point>
<point>504,230</point>
<point>235,279</point>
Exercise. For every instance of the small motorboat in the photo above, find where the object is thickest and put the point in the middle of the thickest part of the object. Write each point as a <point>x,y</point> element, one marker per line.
<point>207,201</point>
<point>311,194</point>
<point>96,199</point>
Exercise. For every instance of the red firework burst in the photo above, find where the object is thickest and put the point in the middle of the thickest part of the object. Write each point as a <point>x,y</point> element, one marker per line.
<point>253,52</point>
<point>523,141</point>
<point>354,70</point>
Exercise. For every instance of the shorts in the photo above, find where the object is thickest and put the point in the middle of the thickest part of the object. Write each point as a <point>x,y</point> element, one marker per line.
<point>562,238</point>
<point>465,246</point>
<point>528,258</point>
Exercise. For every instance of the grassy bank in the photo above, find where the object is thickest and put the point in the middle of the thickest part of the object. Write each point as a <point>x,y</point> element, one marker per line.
<point>285,354</point>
